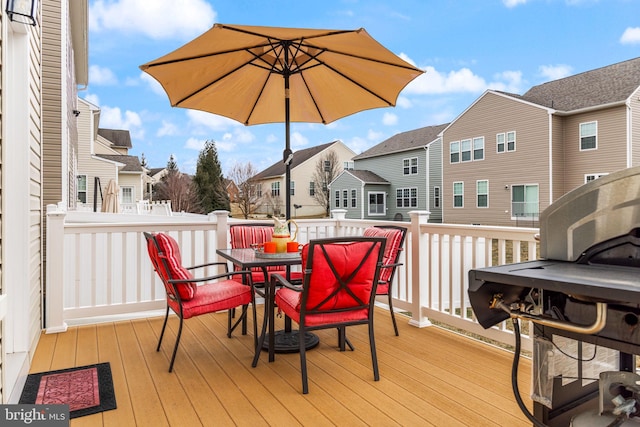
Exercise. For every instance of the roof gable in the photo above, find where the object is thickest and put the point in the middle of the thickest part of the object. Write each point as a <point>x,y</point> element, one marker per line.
<point>299,157</point>
<point>118,137</point>
<point>404,141</point>
<point>131,163</point>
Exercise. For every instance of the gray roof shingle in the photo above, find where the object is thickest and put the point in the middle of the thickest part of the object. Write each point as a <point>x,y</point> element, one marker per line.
<point>602,86</point>
<point>404,141</point>
<point>367,177</point>
<point>132,163</point>
<point>118,137</point>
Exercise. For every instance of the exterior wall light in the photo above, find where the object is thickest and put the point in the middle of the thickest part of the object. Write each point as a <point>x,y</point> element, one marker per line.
<point>23,11</point>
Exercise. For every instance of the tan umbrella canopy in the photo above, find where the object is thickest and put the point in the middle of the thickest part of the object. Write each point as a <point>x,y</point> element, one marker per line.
<point>258,75</point>
<point>111,201</point>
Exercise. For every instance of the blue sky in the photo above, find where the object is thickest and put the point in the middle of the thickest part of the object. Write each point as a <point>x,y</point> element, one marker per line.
<point>465,47</point>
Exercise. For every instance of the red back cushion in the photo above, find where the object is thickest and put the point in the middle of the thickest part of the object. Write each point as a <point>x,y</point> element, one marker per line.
<point>394,238</point>
<point>171,254</point>
<point>243,236</point>
<point>345,257</point>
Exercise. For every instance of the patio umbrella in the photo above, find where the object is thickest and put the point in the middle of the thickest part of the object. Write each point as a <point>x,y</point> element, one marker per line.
<point>258,75</point>
<point>111,202</point>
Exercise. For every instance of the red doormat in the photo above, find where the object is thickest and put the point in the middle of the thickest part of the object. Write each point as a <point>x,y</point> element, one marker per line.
<point>86,389</point>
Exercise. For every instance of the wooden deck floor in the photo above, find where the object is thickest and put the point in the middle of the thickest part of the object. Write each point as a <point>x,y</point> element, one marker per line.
<point>429,376</point>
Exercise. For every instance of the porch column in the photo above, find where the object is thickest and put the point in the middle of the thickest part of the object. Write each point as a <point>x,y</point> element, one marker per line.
<point>222,227</point>
<point>54,316</point>
<point>419,272</point>
<point>339,215</point>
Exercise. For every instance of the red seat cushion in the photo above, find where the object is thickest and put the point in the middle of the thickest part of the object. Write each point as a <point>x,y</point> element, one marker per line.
<point>288,301</point>
<point>213,297</point>
<point>170,252</point>
<point>394,238</point>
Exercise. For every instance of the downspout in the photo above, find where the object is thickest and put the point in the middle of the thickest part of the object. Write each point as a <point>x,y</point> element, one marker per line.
<point>426,173</point>
<point>362,201</point>
<point>629,134</point>
<point>550,116</point>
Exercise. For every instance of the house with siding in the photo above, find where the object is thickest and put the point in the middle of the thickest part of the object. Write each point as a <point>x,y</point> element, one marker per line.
<point>42,67</point>
<point>507,157</point>
<point>270,183</point>
<point>394,177</point>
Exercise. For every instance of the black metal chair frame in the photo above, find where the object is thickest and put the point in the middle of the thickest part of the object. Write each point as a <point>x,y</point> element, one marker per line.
<point>175,296</point>
<point>394,267</point>
<point>279,280</point>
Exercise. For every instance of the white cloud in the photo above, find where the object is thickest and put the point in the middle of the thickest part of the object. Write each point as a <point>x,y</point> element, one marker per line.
<point>102,76</point>
<point>93,98</point>
<point>358,144</point>
<point>513,3</point>
<point>112,118</point>
<point>389,119</point>
<point>435,82</point>
<point>555,72</point>
<point>210,121</point>
<point>374,136</point>
<point>631,36</point>
<point>194,144</point>
<point>167,129</point>
<point>153,84</point>
<point>298,140</point>
<point>404,102</point>
<point>508,81</point>
<point>158,19</point>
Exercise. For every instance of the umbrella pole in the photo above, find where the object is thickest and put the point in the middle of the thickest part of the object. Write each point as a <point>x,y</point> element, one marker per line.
<point>287,154</point>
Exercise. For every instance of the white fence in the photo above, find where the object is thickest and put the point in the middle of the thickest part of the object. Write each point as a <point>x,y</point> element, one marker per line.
<point>97,264</point>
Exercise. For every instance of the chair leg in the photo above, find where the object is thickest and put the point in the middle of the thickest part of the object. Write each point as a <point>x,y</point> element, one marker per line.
<point>175,349</point>
<point>164,326</point>
<point>393,316</point>
<point>242,317</point>
<point>374,356</point>
<point>303,360</point>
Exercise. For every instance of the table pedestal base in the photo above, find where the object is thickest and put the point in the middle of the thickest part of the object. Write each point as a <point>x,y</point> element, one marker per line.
<point>287,342</point>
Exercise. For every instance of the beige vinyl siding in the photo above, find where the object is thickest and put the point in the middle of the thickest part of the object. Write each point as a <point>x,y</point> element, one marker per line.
<point>52,98</point>
<point>528,164</point>
<point>611,152</point>
<point>634,127</point>
<point>558,157</point>
<point>2,393</point>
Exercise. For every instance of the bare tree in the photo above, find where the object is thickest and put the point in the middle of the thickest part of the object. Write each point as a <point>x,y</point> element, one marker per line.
<point>249,197</point>
<point>178,187</point>
<point>327,169</point>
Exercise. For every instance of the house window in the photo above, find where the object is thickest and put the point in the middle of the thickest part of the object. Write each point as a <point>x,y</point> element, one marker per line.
<point>345,198</point>
<point>337,204</point>
<point>410,166</point>
<point>312,188</point>
<point>524,201</point>
<point>482,194</point>
<point>348,165</point>
<point>406,197</point>
<point>82,188</point>
<point>465,150</point>
<point>436,197</point>
<point>454,149</point>
<point>511,141</point>
<point>327,166</point>
<point>354,198</point>
<point>458,194</point>
<point>588,136</point>
<point>127,194</point>
<point>376,204</point>
<point>324,187</point>
<point>500,142</point>
<point>259,190</point>
<point>593,176</point>
<point>292,189</point>
<point>478,148</point>
<point>275,188</point>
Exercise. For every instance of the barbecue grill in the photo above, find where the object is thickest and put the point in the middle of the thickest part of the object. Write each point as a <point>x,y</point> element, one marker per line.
<point>583,297</point>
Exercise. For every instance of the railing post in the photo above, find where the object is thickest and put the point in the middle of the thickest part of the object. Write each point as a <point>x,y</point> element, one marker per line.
<point>419,272</point>
<point>221,218</point>
<point>339,215</point>
<point>54,320</point>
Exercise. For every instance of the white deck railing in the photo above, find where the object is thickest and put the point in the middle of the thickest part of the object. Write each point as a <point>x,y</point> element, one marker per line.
<point>97,264</point>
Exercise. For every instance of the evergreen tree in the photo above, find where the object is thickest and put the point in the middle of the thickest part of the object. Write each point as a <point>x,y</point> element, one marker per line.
<point>143,161</point>
<point>209,182</point>
<point>172,166</point>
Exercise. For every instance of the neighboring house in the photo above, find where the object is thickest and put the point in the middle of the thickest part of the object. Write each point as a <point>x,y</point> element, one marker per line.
<point>112,145</point>
<point>508,157</point>
<point>151,178</point>
<point>407,177</point>
<point>42,65</point>
<point>271,181</point>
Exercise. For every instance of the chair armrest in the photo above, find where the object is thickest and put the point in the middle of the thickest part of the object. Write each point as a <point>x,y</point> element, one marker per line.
<point>226,267</point>
<point>279,280</point>
<point>398,264</point>
<point>214,277</point>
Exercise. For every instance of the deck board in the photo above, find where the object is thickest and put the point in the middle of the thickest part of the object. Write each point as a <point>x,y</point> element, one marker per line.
<point>428,376</point>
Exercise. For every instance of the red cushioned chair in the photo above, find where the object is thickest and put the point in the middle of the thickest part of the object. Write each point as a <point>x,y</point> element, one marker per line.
<point>395,236</point>
<point>338,290</point>
<point>187,297</point>
<point>246,235</point>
